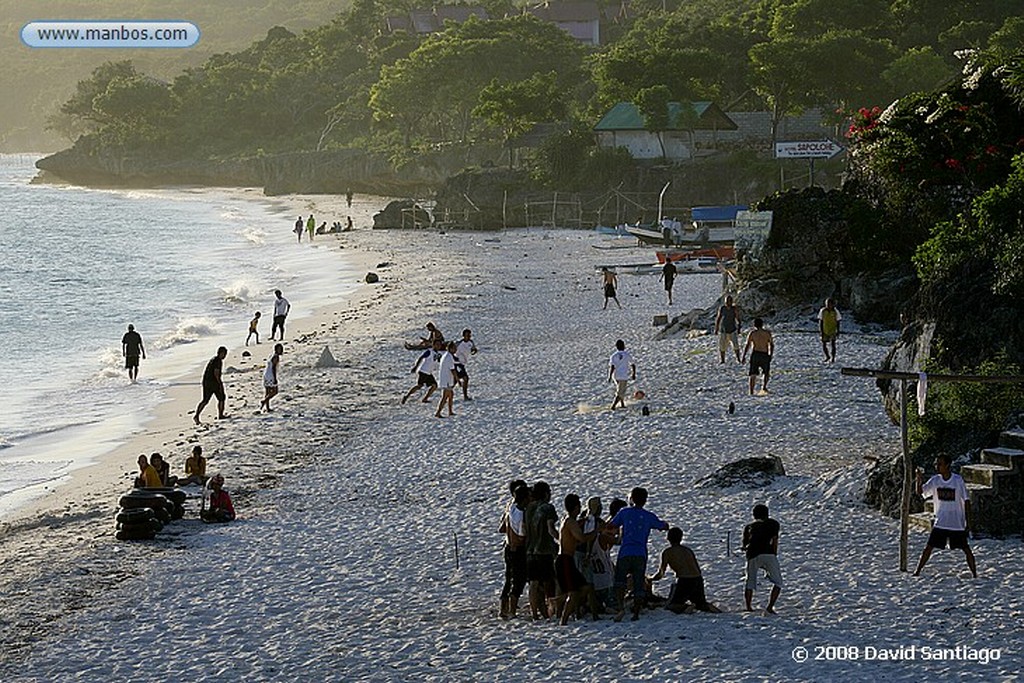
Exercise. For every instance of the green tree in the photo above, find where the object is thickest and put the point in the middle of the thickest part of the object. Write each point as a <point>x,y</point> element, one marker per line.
<point>918,69</point>
<point>652,104</point>
<point>514,108</point>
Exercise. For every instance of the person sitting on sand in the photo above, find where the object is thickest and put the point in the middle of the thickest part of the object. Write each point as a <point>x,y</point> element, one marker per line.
<point>433,335</point>
<point>195,468</point>
<point>252,328</point>
<point>688,591</point>
<point>163,468</point>
<point>573,585</point>
<point>148,477</point>
<point>322,230</point>
<point>220,508</point>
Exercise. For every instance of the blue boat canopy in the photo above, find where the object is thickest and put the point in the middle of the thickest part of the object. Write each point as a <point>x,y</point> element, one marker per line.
<point>716,213</point>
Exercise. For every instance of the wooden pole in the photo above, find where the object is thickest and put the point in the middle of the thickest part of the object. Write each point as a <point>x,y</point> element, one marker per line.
<point>905,501</point>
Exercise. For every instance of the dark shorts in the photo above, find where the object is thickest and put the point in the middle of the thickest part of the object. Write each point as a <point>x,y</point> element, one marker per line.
<point>279,321</point>
<point>213,390</point>
<point>540,567</point>
<point>426,380</point>
<point>759,362</point>
<point>690,590</point>
<point>570,579</point>
<point>131,361</point>
<point>460,371</point>
<point>609,291</point>
<point>956,539</point>
<point>635,566</point>
<point>668,283</point>
<point>515,572</point>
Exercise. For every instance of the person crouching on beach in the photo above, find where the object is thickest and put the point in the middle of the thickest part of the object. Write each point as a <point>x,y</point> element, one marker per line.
<point>270,376</point>
<point>252,328</point>
<point>221,508</point>
<point>688,591</point>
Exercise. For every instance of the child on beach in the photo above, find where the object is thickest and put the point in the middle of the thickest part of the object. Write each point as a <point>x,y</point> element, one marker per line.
<point>220,509</point>
<point>270,383</point>
<point>252,328</point>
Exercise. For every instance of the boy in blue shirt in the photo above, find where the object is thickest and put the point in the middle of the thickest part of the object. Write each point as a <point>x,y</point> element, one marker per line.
<point>636,524</point>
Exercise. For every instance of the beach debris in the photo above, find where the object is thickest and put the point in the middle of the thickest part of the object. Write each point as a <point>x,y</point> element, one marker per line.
<point>732,407</point>
<point>645,411</point>
<point>246,354</point>
<point>327,359</point>
<point>385,264</point>
<point>748,473</point>
<point>372,277</point>
<point>509,288</point>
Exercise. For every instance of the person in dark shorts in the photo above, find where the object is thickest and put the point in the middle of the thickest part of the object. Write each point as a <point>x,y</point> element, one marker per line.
<point>668,274</point>
<point>281,308</point>
<point>213,384</point>
<point>541,548</point>
<point>513,527</point>
<point>610,282</point>
<point>424,368</point>
<point>952,504</point>
<point>131,349</point>
<point>761,345</point>
<point>574,586</point>
<point>688,591</point>
<point>761,543</point>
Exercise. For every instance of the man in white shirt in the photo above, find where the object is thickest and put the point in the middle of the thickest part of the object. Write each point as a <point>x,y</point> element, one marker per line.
<point>463,350</point>
<point>952,512</point>
<point>447,379</point>
<point>621,368</point>
<point>424,369</point>
<point>281,308</point>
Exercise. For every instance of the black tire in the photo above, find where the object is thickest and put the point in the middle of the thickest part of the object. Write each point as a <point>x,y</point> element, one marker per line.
<point>134,500</point>
<point>136,527</point>
<point>170,493</point>
<point>134,515</point>
<point>135,536</point>
<point>164,515</point>
<point>156,525</point>
<point>178,512</point>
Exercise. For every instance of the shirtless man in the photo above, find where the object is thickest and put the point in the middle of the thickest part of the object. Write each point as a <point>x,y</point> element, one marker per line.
<point>763,346</point>
<point>570,580</point>
<point>689,588</point>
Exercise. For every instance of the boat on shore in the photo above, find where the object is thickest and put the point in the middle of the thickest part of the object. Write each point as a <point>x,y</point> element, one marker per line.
<point>723,252</point>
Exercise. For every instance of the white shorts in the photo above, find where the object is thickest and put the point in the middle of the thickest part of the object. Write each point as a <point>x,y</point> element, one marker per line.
<point>770,564</point>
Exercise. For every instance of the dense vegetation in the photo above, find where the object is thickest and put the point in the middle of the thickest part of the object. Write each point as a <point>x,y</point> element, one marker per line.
<point>349,83</point>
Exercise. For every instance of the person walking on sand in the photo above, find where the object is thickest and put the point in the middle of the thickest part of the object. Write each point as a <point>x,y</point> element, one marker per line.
<point>213,384</point>
<point>727,327</point>
<point>763,345</point>
<point>310,226</point>
<point>447,379</point>
<point>270,376</point>
<point>636,524</point>
<point>298,228</point>
<point>952,504</point>
<point>688,591</point>
<point>668,274</point>
<point>423,368</point>
<point>463,350</point>
<point>281,308</point>
<point>610,284</point>
<point>828,323</point>
<point>761,543</point>
<point>621,369</point>
<point>131,349</point>
<point>348,198</point>
<point>252,328</point>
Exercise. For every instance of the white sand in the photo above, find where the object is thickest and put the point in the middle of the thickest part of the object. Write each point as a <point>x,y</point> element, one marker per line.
<point>342,565</point>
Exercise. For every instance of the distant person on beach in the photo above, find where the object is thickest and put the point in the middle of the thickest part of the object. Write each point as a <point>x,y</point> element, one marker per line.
<point>668,274</point>
<point>148,477</point>
<point>270,376</point>
<point>829,318</point>
<point>610,284</point>
<point>447,379</point>
<point>348,198</point>
<point>573,585</point>
<point>727,327</point>
<point>213,384</point>
<point>281,308</point>
<point>463,350</point>
<point>195,468</point>
<point>163,469</point>
<point>220,509</point>
<point>424,368</point>
<point>761,543</point>
<point>322,230</point>
<point>541,549</point>
<point>636,524</point>
<point>763,345</point>
<point>298,228</point>
<point>513,527</point>
<point>310,226</point>
<point>433,335</point>
<point>952,504</point>
<point>622,369</point>
<point>131,349</point>
<point>348,225</point>
<point>688,591</point>
<point>252,328</point>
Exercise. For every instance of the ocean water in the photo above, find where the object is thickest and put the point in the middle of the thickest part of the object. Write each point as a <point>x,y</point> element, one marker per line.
<point>187,268</point>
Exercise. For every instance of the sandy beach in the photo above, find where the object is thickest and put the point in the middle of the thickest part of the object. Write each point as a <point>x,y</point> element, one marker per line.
<point>366,545</point>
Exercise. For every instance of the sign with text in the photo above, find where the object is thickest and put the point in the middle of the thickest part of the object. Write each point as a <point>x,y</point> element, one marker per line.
<point>752,228</point>
<point>807,149</point>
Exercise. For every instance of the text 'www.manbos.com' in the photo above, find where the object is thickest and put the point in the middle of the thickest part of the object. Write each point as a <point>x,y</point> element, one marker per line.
<point>110,34</point>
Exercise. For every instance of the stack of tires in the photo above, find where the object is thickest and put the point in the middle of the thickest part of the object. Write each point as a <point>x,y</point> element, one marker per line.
<point>145,511</point>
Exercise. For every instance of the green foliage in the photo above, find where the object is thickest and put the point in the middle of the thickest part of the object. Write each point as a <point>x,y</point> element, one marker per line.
<point>514,108</point>
<point>571,161</point>
<point>956,408</point>
<point>919,69</point>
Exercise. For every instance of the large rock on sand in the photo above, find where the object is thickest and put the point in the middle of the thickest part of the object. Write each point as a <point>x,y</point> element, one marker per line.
<point>747,473</point>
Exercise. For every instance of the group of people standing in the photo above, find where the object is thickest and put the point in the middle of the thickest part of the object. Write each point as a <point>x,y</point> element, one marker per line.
<point>448,359</point>
<point>569,569</point>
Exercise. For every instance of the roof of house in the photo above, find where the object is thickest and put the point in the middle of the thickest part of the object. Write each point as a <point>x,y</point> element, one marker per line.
<point>424,21</point>
<point>567,12</point>
<point>625,116</point>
